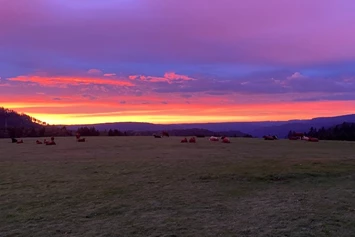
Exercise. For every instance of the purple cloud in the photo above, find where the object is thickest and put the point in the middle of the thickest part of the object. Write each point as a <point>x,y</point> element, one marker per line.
<point>185,47</point>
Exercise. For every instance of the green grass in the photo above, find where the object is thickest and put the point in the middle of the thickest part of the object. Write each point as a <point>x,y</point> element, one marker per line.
<point>141,186</point>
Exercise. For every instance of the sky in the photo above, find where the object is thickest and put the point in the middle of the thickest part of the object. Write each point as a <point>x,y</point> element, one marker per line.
<point>177,61</point>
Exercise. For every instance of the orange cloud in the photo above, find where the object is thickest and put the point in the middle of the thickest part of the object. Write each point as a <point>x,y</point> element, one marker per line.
<point>73,81</point>
<point>169,77</point>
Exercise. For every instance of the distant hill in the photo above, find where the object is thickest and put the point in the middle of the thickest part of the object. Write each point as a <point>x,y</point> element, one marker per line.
<point>282,129</point>
<point>195,132</point>
<point>257,129</point>
<point>10,118</point>
<point>13,124</point>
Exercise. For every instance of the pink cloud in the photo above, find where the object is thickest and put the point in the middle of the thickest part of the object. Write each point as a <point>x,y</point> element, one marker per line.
<point>109,74</point>
<point>66,81</point>
<point>95,71</point>
<point>296,75</point>
<point>169,77</point>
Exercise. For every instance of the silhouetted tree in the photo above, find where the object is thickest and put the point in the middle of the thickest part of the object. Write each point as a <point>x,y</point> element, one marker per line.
<point>344,131</point>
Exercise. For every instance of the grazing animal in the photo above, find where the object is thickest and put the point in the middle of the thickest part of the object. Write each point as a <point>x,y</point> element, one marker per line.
<point>226,140</point>
<point>313,139</point>
<point>270,137</point>
<point>214,139</point>
<point>77,135</point>
<point>81,140</point>
<point>305,138</point>
<point>39,142</point>
<point>49,143</point>
<point>166,134</point>
<point>298,134</point>
<point>192,140</point>
<point>13,140</point>
<point>184,140</point>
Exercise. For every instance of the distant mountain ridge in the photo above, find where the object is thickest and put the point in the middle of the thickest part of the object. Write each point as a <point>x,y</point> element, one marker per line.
<point>10,118</point>
<point>257,129</point>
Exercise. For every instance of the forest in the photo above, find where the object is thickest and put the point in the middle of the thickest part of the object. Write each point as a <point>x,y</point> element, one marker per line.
<point>341,132</point>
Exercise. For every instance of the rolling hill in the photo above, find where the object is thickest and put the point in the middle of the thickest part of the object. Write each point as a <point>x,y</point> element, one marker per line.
<point>256,129</point>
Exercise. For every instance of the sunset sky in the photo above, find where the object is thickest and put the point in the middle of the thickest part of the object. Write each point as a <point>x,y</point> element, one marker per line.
<point>177,61</point>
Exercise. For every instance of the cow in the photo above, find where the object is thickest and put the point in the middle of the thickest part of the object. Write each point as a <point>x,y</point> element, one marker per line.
<point>313,139</point>
<point>184,140</point>
<point>165,134</point>
<point>13,140</point>
<point>192,140</point>
<point>226,140</point>
<point>78,139</point>
<point>270,137</point>
<point>77,135</point>
<point>305,138</point>
<point>214,139</point>
<point>296,136</point>
<point>157,136</point>
<point>50,143</point>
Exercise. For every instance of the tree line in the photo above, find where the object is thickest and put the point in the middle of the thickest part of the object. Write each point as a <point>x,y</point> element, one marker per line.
<point>342,132</point>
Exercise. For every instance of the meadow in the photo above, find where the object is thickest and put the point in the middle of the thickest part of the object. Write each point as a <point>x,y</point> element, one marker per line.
<point>141,186</point>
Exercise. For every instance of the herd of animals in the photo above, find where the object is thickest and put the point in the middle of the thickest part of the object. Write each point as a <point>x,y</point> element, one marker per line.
<point>223,139</point>
<point>48,143</point>
<point>294,136</point>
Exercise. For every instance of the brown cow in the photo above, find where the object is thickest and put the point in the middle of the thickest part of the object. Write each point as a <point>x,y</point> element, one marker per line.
<point>184,140</point>
<point>226,140</point>
<point>49,143</point>
<point>313,139</point>
<point>270,137</point>
<point>77,135</point>
<point>165,134</point>
<point>192,140</point>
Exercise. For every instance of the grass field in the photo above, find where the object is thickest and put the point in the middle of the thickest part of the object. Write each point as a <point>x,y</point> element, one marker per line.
<point>141,186</point>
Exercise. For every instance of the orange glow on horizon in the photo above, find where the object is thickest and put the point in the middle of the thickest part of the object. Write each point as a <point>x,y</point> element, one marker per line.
<point>91,113</point>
